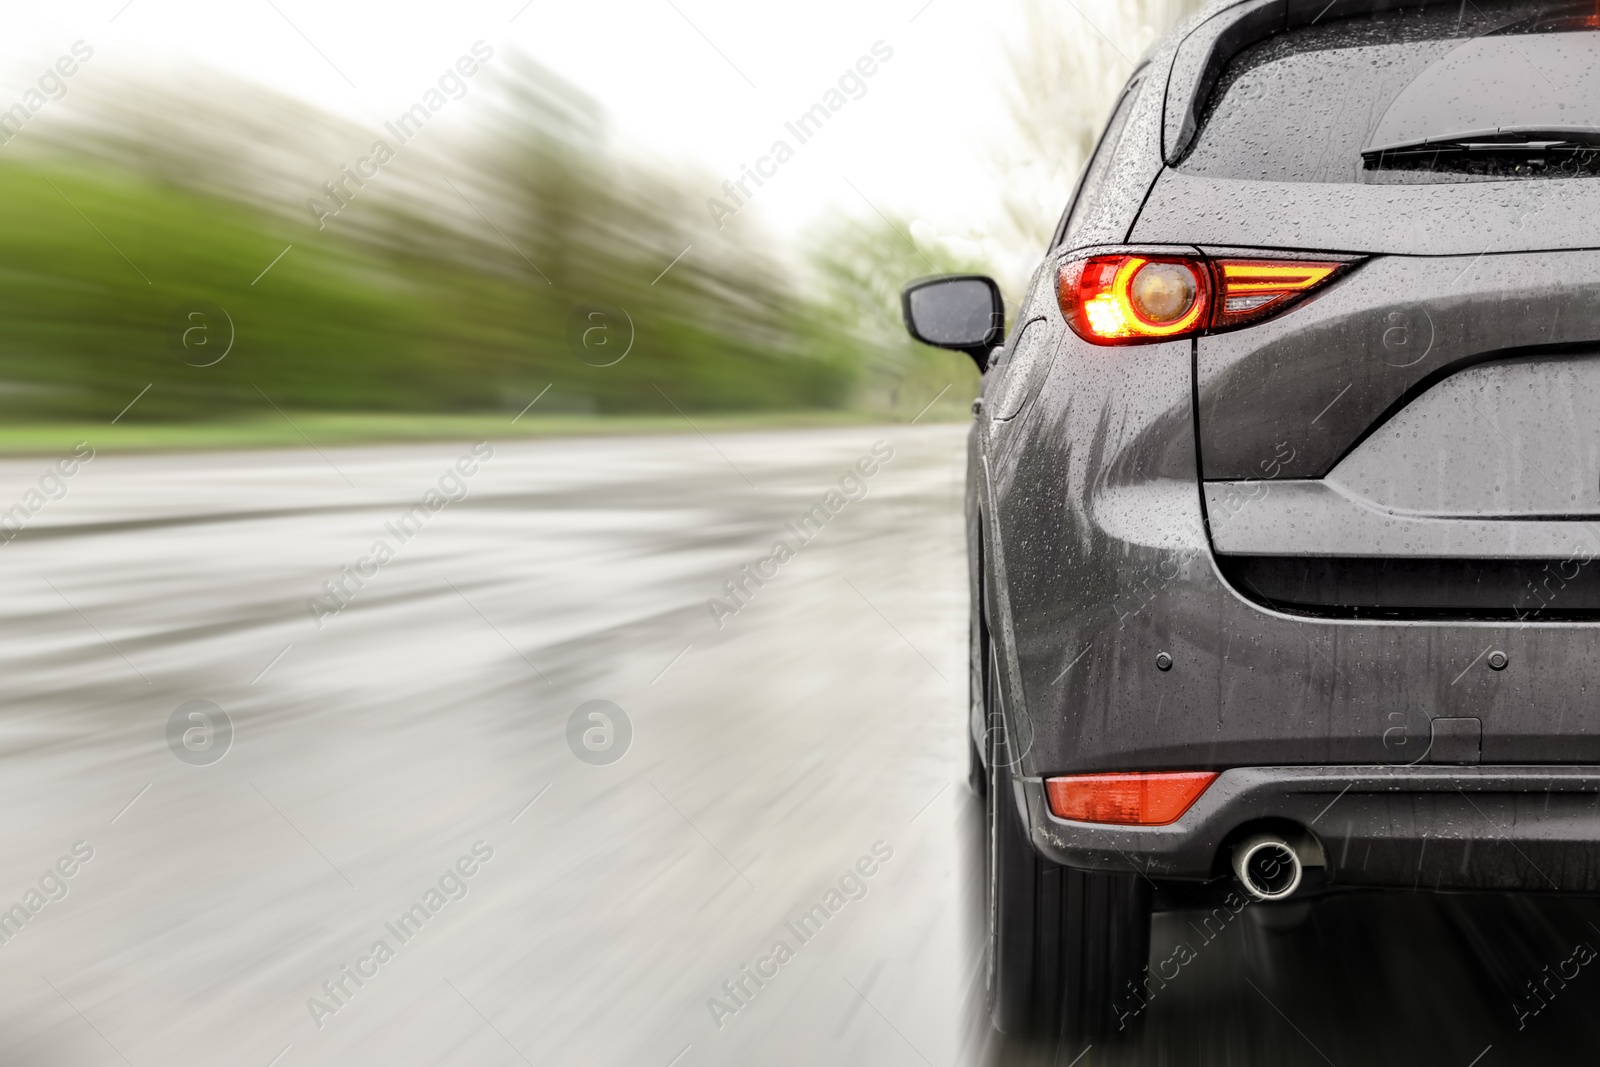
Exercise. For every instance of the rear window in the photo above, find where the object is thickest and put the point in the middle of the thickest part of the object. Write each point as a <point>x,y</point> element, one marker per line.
<point>1483,92</point>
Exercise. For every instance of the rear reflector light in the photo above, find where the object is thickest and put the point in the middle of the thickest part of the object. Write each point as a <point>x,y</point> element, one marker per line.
<point>1139,798</point>
<point>1136,298</point>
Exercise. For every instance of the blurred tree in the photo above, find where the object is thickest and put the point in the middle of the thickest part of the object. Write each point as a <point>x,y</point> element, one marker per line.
<point>447,284</point>
<point>861,267</point>
<point>1066,67</point>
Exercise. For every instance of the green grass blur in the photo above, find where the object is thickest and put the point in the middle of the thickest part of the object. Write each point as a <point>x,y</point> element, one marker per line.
<point>325,428</point>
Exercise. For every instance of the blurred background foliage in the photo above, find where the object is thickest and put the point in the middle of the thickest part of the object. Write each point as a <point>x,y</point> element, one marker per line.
<point>449,284</point>
<point>1064,72</point>
<point>446,285</point>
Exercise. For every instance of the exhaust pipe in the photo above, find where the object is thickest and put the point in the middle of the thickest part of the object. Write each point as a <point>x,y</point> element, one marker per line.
<point>1267,866</point>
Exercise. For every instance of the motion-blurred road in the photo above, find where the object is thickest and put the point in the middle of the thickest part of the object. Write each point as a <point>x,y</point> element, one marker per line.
<point>807,752</point>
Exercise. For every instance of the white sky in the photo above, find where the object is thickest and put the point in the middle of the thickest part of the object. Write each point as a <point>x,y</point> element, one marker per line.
<point>917,142</point>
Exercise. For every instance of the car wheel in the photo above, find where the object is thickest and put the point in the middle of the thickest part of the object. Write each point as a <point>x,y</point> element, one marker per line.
<point>1067,947</point>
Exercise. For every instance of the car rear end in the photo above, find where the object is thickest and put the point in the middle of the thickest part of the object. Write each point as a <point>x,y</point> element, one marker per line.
<point>1318,521</point>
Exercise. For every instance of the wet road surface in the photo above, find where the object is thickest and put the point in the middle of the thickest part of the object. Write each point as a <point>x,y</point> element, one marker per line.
<point>404,770</point>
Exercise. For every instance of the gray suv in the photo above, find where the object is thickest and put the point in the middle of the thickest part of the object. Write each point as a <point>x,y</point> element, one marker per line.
<point>1284,490</point>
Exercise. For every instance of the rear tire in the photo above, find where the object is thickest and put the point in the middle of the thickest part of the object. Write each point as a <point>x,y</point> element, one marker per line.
<point>1067,947</point>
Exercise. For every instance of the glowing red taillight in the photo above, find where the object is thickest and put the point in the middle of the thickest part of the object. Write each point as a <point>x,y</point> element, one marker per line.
<point>1124,299</point>
<point>1136,798</point>
<point>1133,298</point>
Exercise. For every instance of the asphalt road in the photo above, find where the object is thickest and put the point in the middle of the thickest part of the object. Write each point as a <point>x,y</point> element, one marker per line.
<point>409,755</point>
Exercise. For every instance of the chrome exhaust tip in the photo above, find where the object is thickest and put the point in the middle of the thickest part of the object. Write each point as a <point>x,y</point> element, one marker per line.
<point>1267,867</point>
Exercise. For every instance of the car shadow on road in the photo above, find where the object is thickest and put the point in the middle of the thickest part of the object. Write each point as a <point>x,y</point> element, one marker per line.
<point>1363,979</point>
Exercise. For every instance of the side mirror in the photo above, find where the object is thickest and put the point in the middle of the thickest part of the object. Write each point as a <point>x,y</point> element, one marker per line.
<point>963,312</point>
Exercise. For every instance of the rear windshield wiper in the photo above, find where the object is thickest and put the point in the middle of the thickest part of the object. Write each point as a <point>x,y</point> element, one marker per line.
<point>1516,141</point>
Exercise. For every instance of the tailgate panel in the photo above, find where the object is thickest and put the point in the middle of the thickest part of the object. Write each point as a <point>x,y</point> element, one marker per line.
<point>1292,397</point>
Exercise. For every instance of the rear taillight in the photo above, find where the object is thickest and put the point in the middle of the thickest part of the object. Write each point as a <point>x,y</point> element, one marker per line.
<point>1122,299</point>
<point>1252,289</point>
<point>1137,798</point>
<point>1131,298</point>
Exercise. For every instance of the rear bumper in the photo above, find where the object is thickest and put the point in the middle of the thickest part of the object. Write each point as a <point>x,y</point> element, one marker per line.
<point>1481,827</point>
